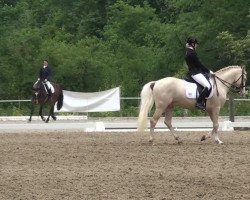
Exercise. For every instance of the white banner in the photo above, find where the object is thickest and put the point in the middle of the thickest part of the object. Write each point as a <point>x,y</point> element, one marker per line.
<point>104,101</point>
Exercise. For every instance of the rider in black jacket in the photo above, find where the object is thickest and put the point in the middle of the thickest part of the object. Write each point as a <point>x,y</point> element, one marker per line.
<point>197,71</point>
<point>44,76</point>
<point>45,72</point>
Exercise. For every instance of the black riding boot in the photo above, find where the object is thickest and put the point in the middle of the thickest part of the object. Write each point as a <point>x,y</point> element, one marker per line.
<point>48,90</point>
<point>49,93</point>
<point>201,100</point>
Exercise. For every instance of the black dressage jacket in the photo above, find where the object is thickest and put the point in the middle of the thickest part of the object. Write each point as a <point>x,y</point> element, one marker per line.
<point>45,73</point>
<point>194,65</point>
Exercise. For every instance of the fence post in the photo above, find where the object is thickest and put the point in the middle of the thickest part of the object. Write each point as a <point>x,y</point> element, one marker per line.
<point>231,108</point>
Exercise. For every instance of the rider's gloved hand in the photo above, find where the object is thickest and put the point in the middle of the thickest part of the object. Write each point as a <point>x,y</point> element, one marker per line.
<point>37,80</point>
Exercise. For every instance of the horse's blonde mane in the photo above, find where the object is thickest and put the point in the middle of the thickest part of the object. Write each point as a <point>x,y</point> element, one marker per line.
<point>226,68</point>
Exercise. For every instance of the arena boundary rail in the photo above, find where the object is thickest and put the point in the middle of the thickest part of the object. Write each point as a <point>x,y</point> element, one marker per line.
<point>228,123</point>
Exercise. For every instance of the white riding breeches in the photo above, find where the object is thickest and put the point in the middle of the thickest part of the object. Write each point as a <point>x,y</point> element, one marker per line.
<point>200,78</point>
<point>50,86</point>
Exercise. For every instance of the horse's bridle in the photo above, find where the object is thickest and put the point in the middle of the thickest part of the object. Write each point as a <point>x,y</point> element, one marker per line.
<point>36,95</point>
<point>232,86</point>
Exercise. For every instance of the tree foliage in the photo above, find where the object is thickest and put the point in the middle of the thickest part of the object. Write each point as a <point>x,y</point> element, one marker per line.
<point>94,45</point>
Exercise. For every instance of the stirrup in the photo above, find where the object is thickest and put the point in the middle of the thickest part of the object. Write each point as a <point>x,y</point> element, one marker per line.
<point>200,106</point>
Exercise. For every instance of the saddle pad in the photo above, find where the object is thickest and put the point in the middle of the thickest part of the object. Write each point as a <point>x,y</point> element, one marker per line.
<point>51,87</point>
<point>192,92</point>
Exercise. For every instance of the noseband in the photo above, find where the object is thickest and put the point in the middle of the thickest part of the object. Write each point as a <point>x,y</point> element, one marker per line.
<point>234,88</point>
<point>242,85</point>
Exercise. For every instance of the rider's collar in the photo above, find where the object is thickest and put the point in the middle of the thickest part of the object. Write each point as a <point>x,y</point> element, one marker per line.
<point>190,47</point>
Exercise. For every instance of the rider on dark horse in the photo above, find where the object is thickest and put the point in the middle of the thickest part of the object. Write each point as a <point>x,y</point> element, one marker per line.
<point>197,71</point>
<point>46,93</point>
<point>44,76</point>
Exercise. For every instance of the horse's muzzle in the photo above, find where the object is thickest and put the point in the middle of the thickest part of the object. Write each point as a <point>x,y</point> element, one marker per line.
<point>35,101</point>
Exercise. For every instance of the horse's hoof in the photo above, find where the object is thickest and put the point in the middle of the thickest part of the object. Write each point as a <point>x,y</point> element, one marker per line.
<point>151,142</point>
<point>54,118</point>
<point>218,142</point>
<point>203,138</point>
<point>179,142</point>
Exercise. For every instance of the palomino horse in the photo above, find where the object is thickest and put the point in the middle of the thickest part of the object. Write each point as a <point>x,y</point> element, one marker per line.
<point>169,92</point>
<point>41,98</point>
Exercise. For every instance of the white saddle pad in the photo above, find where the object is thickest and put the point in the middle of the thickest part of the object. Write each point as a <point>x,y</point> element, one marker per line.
<point>50,87</point>
<point>191,90</point>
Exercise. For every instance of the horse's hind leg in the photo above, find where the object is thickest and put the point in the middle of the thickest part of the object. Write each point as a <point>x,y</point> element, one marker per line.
<point>50,113</point>
<point>153,122</point>
<point>168,122</point>
<point>53,117</point>
<point>53,114</point>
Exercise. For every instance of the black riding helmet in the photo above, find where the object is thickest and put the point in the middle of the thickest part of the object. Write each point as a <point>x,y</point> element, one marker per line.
<point>192,40</point>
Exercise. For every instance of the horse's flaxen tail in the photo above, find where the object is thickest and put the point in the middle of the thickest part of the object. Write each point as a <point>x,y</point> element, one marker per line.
<point>60,101</point>
<point>146,105</point>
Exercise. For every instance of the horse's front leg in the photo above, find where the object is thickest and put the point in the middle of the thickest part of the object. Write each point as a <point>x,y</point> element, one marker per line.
<point>41,112</point>
<point>214,116</point>
<point>168,122</point>
<point>32,108</point>
<point>215,132</point>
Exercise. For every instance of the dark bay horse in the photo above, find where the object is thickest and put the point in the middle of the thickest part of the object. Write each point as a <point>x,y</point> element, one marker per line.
<point>40,97</point>
<point>169,92</point>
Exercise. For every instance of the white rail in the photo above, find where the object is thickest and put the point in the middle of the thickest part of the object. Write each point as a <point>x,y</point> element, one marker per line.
<point>125,98</point>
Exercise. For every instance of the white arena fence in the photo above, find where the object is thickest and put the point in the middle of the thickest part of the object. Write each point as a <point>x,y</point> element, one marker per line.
<point>19,124</point>
<point>231,104</point>
<point>227,123</point>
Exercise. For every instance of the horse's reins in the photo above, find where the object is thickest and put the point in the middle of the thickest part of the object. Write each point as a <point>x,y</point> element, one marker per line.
<point>231,86</point>
<point>46,99</point>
